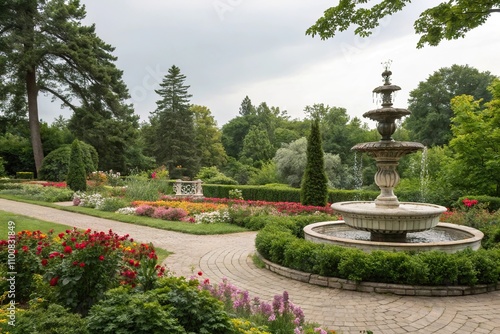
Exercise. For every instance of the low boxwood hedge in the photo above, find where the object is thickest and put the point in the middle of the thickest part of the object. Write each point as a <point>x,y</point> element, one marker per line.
<point>282,243</point>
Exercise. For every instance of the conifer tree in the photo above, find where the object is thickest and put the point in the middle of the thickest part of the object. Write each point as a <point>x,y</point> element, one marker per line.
<point>314,189</point>
<point>45,48</point>
<point>77,178</point>
<point>172,139</point>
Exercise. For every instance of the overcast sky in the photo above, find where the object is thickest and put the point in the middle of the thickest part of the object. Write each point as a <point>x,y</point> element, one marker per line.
<point>232,48</point>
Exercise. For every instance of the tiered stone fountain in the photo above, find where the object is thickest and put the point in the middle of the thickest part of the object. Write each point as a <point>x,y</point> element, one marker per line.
<point>389,222</point>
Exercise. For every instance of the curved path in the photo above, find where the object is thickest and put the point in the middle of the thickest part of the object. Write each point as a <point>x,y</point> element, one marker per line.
<point>348,311</point>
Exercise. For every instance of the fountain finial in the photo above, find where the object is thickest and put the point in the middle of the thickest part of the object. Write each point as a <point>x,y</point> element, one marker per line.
<point>387,72</point>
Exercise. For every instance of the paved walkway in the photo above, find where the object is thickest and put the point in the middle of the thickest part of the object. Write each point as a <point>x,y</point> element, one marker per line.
<point>347,311</point>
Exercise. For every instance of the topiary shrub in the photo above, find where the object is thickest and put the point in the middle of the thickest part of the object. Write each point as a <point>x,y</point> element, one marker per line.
<point>77,177</point>
<point>55,165</point>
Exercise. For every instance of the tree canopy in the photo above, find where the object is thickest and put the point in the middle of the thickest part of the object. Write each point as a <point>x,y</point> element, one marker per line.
<point>430,105</point>
<point>448,20</point>
<point>45,48</point>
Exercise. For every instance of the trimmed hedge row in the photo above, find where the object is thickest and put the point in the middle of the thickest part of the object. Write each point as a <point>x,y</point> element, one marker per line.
<point>282,242</point>
<point>281,193</point>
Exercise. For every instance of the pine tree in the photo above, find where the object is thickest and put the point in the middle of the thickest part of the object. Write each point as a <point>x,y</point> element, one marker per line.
<point>314,189</point>
<point>172,139</point>
<point>77,178</point>
<point>45,48</point>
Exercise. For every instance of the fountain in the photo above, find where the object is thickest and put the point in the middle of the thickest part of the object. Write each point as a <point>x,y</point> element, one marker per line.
<point>391,225</point>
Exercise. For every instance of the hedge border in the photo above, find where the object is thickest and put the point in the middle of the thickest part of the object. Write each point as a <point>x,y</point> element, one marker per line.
<point>397,289</point>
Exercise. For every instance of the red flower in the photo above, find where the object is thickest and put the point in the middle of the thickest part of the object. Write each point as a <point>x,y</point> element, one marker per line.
<point>75,263</point>
<point>82,264</point>
<point>25,248</point>
<point>206,281</point>
<point>200,273</point>
<point>53,281</point>
<point>101,257</point>
<point>68,249</point>
<point>45,262</point>
<point>60,235</point>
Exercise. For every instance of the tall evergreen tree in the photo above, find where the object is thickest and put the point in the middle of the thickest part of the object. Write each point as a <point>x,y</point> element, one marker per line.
<point>173,141</point>
<point>45,48</point>
<point>314,189</point>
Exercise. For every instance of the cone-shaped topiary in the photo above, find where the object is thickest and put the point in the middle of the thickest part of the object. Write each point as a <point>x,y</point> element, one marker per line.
<point>313,190</point>
<point>77,177</point>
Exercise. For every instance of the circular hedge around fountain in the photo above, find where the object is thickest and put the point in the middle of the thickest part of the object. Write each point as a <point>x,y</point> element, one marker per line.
<point>282,242</point>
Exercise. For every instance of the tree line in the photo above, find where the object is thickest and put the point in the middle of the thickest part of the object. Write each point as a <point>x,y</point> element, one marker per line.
<point>44,48</point>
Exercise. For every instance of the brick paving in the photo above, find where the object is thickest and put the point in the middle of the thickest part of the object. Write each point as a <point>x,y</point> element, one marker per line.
<point>229,256</point>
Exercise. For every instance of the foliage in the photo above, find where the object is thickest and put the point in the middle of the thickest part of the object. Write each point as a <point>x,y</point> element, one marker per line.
<point>77,177</point>
<point>235,194</point>
<point>141,188</point>
<point>81,266</point>
<point>2,166</point>
<point>208,137</point>
<point>212,175</point>
<point>53,319</point>
<point>170,139</point>
<point>430,102</point>
<point>257,147</point>
<point>281,243</point>
<point>447,20</point>
<point>476,138</point>
<point>314,182</point>
<point>267,174</point>
<point>291,160</point>
<point>124,312</point>
<point>239,171</point>
<point>47,49</point>
<point>24,175</point>
<point>56,164</point>
<point>37,192</point>
<point>16,150</point>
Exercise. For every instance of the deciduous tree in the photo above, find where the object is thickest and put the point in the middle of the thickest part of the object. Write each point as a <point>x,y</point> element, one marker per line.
<point>447,20</point>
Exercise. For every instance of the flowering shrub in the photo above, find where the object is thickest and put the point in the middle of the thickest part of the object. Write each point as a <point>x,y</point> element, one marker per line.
<point>213,217</point>
<point>126,211</point>
<point>87,200</point>
<point>191,208</point>
<point>469,202</point>
<point>289,208</point>
<point>54,184</point>
<point>279,316</point>
<point>80,266</point>
<point>97,178</point>
<point>144,210</point>
<point>113,179</point>
<point>175,214</point>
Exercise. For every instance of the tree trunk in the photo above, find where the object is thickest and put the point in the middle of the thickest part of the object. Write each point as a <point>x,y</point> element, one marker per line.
<point>36,138</point>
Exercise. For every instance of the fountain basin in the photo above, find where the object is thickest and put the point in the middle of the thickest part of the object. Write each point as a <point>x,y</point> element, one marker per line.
<point>389,223</point>
<point>462,237</point>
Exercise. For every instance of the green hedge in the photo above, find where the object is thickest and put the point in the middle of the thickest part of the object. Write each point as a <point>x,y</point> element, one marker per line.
<point>25,175</point>
<point>281,193</point>
<point>282,243</point>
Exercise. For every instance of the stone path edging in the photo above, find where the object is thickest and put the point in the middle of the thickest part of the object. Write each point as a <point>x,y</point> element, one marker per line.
<point>397,289</point>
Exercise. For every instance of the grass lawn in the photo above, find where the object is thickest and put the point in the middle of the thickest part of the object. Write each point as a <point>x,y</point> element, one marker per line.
<point>33,224</point>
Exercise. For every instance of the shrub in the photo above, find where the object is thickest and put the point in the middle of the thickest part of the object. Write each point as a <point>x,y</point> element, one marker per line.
<point>173,214</point>
<point>55,165</point>
<point>125,312</point>
<point>112,204</point>
<point>145,210</point>
<point>77,177</point>
<point>196,310</point>
<point>24,175</point>
<point>278,242</point>
<point>54,319</point>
